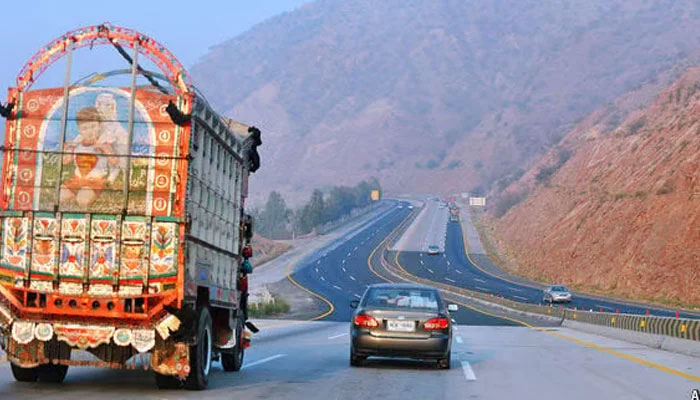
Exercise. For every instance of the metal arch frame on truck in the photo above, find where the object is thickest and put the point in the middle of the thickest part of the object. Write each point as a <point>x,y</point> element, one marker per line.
<point>105,34</point>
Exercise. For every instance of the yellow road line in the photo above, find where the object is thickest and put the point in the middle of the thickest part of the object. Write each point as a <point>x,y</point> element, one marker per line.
<point>331,308</point>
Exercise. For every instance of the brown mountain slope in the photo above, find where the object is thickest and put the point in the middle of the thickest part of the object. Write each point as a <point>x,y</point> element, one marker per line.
<point>622,215</point>
<point>436,95</point>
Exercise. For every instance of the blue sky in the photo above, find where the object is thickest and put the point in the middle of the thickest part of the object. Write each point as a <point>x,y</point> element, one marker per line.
<point>187,29</point>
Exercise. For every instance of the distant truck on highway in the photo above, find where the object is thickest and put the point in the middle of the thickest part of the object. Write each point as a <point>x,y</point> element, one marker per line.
<point>122,220</point>
<point>454,215</point>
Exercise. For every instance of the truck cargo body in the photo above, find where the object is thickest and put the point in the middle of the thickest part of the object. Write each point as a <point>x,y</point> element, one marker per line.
<point>119,225</point>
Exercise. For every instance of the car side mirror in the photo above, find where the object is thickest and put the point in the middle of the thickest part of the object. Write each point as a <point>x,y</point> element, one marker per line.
<point>354,303</point>
<point>452,307</point>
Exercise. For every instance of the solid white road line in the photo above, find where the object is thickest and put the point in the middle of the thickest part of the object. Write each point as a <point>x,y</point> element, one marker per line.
<point>264,360</point>
<point>520,297</point>
<point>479,280</point>
<point>352,277</point>
<point>468,372</point>
<point>337,287</point>
<point>337,336</point>
<point>599,306</point>
<point>458,339</point>
<point>450,280</point>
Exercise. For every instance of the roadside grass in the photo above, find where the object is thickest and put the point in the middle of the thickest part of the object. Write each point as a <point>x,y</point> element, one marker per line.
<point>275,307</point>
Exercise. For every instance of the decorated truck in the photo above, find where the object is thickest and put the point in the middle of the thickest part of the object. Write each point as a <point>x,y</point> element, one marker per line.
<point>124,237</point>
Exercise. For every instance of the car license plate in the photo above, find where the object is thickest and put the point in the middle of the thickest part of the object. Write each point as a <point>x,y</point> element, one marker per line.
<point>400,326</point>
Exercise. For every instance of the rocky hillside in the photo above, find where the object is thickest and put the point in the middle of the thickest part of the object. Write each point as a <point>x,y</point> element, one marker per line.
<point>620,214</point>
<point>439,95</point>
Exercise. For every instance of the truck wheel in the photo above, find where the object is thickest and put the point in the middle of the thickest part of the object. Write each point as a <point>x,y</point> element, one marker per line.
<point>22,374</point>
<point>200,353</point>
<point>233,361</point>
<point>52,373</point>
<point>167,382</point>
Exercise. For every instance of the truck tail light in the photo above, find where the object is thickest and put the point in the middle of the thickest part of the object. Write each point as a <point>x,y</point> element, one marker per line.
<point>365,321</point>
<point>434,324</point>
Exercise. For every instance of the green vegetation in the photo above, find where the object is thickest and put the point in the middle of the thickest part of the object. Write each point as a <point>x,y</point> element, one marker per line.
<point>543,175</point>
<point>275,307</point>
<point>636,126</point>
<point>668,187</point>
<point>507,201</point>
<point>277,221</point>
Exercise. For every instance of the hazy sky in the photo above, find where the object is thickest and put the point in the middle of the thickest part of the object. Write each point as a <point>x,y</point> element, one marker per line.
<point>187,29</point>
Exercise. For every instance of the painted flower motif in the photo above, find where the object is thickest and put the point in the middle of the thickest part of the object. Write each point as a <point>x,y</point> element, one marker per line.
<point>71,258</point>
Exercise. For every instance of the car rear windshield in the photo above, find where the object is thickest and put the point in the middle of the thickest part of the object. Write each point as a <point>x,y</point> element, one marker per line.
<point>559,289</point>
<point>404,299</point>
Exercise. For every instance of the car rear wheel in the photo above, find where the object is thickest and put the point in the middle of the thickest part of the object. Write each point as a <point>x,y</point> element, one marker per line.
<point>444,363</point>
<point>22,374</point>
<point>355,360</point>
<point>200,353</point>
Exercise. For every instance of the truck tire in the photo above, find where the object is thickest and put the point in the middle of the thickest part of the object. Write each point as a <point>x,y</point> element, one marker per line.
<point>22,374</point>
<point>233,360</point>
<point>52,373</point>
<point>165,382</point>
<point>201,353</point>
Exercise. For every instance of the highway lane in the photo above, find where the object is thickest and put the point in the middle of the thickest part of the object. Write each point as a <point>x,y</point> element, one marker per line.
<point>341,274</point>
<point>309,361</point>
<point>454,268</point>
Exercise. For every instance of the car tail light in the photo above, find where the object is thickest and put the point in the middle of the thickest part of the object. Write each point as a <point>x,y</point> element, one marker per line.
<point>436,324</point>
<point>365,321</point>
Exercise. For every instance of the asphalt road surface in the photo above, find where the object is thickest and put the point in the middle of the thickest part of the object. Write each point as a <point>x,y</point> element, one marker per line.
<point>341,274</point>
<point>491,359</point>
<point>309,360</point>
<point>452,267</point>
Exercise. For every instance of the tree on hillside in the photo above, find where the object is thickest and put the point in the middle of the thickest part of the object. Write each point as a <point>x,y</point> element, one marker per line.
<point>273,219</point>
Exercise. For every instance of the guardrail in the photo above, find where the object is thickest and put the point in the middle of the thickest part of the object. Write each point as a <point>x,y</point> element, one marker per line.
<point>681,328</point>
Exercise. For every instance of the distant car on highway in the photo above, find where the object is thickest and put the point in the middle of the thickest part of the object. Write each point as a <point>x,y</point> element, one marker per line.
<point>433,249</point>
<point>401,320</point>
<point>556,294</point>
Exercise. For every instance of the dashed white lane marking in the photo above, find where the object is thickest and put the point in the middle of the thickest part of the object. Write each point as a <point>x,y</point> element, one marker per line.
<point>455,327</point>
<point>515,289</point>
<point>520,297</point>
<point>337,336</point>
<point>448,262</point>
<point>355,248</point>
<point>344,270</point>
<point>450,280</point>
<point>431,271</point>
<point>356,295</point>
<point>316,269</point>
<point>337,287</point>
<point>482,288</point>
<point>343,262</point>
<point>318,262</point>
<point>479,280</point>
<point>458,271</point>
<point>421,262</point>
<point>352,277</point>
<point>444,255</point>
<point>323,279</point>
<point>468,372</point>
<point>264,360</point>
<point>599,306</point>
<point>349,254</point>
<point>458,339</point>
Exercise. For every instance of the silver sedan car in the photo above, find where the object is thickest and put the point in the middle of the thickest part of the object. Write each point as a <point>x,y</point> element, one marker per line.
<point>401,320</point>
<point>556,294</point>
